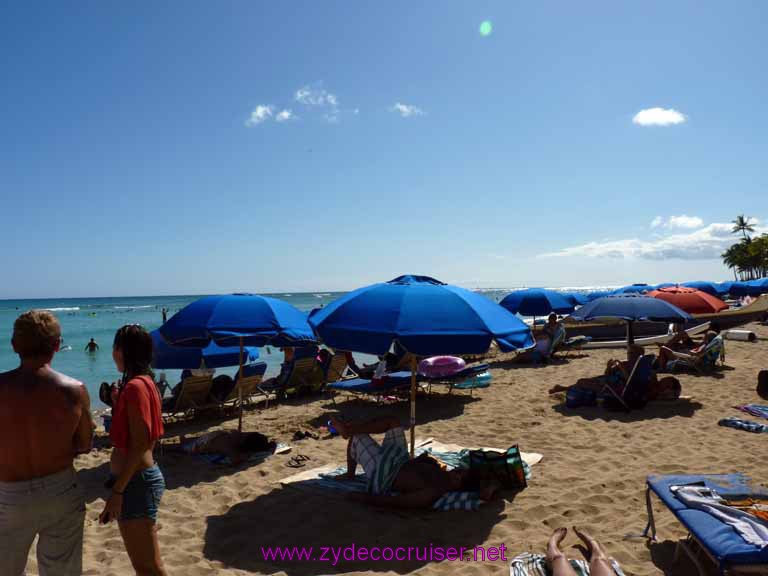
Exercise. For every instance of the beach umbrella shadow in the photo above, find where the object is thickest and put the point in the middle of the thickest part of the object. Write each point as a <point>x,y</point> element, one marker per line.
<point>653,411</point>
<point>287,518</point>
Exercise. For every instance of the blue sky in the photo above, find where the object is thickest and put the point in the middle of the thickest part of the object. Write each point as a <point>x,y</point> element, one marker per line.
<point>198,147</point>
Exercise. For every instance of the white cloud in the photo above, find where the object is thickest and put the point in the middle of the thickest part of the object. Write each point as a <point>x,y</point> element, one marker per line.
<point>705,243</point>
<point>260,114</point>
<point>285,115</point>
<point>316,95</point>
<point>683,221</point>
<point>406,110</point>
<point>659,117</point>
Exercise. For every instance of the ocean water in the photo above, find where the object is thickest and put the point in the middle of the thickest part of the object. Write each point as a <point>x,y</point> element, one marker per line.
<point>84,318</point>
<point>99,318</point>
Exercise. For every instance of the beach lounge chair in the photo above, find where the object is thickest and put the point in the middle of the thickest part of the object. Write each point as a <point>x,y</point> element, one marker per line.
<point>394,384</point>
<point>706,363</point>
<point>338,369</point>
<point>469,378</point>
<point>193,395</point>
<point>302,374</point>
<point>709,539</point>
<point>248,385</point>
<point>634,393</point>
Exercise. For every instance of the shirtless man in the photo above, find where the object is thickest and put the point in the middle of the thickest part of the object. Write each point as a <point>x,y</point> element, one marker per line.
<point>46,421</point>
<point>419,482</point>
<point>91,346</point>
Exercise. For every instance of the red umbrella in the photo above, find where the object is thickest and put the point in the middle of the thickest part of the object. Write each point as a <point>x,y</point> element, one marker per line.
<point>689,299</point>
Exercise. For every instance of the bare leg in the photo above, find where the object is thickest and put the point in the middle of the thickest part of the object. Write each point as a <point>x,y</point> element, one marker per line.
<point>599,564</point>
<point>556,560</point>
<point>140,538</point>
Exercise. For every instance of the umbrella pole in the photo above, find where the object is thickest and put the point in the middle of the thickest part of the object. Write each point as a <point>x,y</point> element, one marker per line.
<point>413,405</point>
<point>630,334</point>
<point>240,390</point>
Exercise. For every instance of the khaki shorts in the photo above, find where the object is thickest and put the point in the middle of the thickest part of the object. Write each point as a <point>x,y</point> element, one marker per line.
<point>53,508</point>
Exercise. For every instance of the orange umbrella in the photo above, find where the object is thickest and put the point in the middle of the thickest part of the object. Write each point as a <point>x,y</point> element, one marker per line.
<point>689,299</point>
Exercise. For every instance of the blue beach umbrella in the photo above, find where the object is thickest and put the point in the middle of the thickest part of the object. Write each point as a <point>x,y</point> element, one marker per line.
<point>576,298</point>
<point>663,285</point>
<point>537,302</point>
<point>632,308</point>
<point>238,319</point>
<point>595,294</point>
<point>168,357</point>
<point>725,287</point>
<point>424,316</point>
<point>709,287</point>
<point>633,289</point>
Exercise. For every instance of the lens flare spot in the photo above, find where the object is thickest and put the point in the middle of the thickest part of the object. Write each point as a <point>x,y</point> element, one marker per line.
<point>486,27</point>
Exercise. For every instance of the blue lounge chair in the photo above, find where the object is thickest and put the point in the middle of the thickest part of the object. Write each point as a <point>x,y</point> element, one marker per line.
<point>707,534</point>
<point>394,383</point>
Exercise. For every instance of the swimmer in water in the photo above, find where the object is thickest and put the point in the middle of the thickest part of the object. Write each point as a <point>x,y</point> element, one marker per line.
<point>91,346</point>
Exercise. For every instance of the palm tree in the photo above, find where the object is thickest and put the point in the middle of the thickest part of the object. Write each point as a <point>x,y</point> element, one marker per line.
<point>742,224</point>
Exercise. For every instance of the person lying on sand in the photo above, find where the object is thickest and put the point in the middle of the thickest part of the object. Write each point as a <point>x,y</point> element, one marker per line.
<point>237,445</point>
<point>667,354</point>
<point>593,551</point>
<point>616,373</point>
<point>419,483</point>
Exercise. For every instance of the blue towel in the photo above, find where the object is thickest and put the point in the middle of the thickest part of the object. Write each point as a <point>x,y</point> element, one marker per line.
<point>755,410</point>
<point>224,460</point>
<point>747,425</point>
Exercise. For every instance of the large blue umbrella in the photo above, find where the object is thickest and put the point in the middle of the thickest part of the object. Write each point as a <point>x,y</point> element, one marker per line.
<point>166,356</point>
<point>595,294</point>
<point>537,302</point>
<point>724,287</point>
<point>709,287</point>
<point>424,316</point>
<point>750,288</point>
<point>662,285</point>
<point>576,298</point>
<point>632,308</point>
<point>243,319</point>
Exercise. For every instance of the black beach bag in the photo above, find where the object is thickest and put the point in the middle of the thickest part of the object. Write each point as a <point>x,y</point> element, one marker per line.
<point>506,467</point>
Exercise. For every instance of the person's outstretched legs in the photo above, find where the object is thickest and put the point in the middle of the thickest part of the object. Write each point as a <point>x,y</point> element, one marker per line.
<point>599,564</point>
<point>556,559</point>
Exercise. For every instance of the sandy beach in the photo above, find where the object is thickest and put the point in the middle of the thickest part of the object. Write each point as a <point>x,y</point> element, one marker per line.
<point>215,519</point>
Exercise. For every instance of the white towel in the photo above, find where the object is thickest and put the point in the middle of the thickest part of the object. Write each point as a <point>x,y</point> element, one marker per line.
<point>752,529</point>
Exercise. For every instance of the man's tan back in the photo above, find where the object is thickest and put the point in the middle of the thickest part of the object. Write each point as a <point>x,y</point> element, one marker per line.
<point>40,415</point>
<point>45,421</point>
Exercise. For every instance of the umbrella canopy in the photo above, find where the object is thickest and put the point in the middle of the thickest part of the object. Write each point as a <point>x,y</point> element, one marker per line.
<point>243,319</point>
<point>233,319</point>
<point>724,287</point>
<point>631,308</point>
<point>751,288</point>
<point>691,300</point>
<point>633,289</point>
<point>537,302</point>
<point>576,298</point>
<point>167,357</point>
<point>709,287</point>
<point>662,285</point>
<point>424,315</point>
<point>595,294</point>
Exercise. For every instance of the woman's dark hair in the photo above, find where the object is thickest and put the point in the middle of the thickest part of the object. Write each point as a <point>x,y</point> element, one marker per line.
<point>136,345</point>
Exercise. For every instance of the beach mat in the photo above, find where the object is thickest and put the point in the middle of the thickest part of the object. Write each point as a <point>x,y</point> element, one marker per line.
<point>322,478</point>
<point>254,458</point>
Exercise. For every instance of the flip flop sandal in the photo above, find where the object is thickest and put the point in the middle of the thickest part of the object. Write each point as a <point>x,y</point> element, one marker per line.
<point>312,435</point>
<point>295,463</point>
<point>302,457</point>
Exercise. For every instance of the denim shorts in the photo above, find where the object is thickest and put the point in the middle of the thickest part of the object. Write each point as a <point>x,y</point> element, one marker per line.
<point>142,495</point>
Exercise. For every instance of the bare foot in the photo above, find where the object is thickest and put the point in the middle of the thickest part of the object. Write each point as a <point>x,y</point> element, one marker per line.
<point>595,550</point>
<point>553,546</point>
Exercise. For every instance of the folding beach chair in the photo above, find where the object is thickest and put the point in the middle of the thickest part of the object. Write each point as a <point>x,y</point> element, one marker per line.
<point>194,395</point>
<point>709,539</point>
<point>634,393</point>
<point>338,369</point>
<point>706,363</point>
<point>248,385</point>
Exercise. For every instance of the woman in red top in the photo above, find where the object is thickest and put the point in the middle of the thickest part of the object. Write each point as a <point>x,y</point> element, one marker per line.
<point>137,483</point>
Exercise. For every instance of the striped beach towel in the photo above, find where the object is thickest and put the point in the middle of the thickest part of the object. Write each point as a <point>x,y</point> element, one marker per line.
<point>756,410</point>
<point>527,564</point>
<point>747,425</point>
